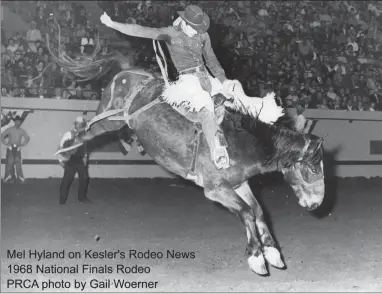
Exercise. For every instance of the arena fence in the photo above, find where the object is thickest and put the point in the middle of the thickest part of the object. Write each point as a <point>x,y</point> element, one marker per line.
<point>353,137</point>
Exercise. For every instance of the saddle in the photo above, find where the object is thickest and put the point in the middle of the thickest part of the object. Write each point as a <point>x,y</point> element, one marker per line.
<point>130,85</point>
<point>183,110</point>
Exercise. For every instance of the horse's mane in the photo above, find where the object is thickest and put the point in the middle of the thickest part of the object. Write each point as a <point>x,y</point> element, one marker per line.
<point>279,142</point>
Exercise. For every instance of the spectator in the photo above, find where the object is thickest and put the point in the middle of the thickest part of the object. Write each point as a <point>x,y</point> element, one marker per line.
<point>324,104</point>
<point>87,93</point>
<point>20,73</point>
<point>4,55</point>
<point>28,59</point>
<point>40,18</point>
<point>70,89</point>
<point>94,97</point>
<point>13,61</point>
<point>40,78</point>
<point>4,92</point>
<point>373,96</point>
<point>331,94</point>
<point>335,49</point>
<point>33,35</point>
<point>78,95</point>
<point>292,98</point>
<point>58,93</point>
<point>87,44</point>
<point>22,93</point>
<point>80,31</point>
<point>9,79</point>
<point>12,46</point>
<point>349,105</point>
<point>40,53</point>
<point>306,50</point>
<point>41,92</point>
<point>46,58</point>
<point>337,104</point>
<point>150,16</point>
<point>30,83</point>
<point>316,100</point>
<point>14,138</point>
<point>54,76</point>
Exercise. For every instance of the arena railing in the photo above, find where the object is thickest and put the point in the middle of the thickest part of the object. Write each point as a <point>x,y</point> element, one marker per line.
<point>36,92</point>
<point>55,105</point>
<point>338,115</point>
<point>354,137</point>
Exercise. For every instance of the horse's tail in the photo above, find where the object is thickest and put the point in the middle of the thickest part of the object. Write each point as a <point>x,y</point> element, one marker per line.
<point>86,68</point>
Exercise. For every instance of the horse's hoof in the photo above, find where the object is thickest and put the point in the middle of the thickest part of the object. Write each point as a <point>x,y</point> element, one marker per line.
<point>273,256</point>
<point>257,264</point>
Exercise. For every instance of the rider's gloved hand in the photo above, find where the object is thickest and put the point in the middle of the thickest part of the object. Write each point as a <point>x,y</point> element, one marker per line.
<point>106,20</point>
<point>228,88</point>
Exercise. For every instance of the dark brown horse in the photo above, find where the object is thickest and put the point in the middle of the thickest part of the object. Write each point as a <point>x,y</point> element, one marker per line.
<point>168,137</point>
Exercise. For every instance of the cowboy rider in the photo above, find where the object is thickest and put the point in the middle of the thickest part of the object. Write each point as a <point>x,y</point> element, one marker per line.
<point>188,41</point>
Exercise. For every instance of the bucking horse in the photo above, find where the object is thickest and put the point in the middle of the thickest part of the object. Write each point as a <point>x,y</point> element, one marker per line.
<point>176,142</point>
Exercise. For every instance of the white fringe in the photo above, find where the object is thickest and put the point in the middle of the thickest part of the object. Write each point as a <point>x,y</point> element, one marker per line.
<point>264,109</point>
<point>187,92</point>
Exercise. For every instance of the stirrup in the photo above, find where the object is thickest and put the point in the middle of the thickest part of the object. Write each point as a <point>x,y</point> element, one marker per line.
<point>221,162</point>
<point>192,176</point>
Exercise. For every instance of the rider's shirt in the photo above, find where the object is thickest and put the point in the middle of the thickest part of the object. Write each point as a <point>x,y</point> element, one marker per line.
<point>186,52</point>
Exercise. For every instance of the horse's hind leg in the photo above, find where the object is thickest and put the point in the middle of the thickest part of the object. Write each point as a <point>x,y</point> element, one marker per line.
<point>271,252</point>
<point>225,195</point>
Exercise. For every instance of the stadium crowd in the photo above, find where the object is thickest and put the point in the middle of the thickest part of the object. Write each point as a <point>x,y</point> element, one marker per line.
<point>315,54</point>
<point>26,65</point>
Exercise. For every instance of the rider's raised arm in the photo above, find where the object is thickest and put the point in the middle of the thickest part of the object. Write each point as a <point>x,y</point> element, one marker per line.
<point>135,30</point>
<point>211,60</point>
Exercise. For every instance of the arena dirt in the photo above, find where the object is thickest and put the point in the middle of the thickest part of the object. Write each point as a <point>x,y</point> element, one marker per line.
<point>341,251</point>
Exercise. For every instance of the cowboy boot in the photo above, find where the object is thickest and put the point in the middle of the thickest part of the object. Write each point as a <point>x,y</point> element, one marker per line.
<point>191,176</point>
<point>220,154</point>
<point>215,139</point>
<point>221,158</point>
<point>219,100</point>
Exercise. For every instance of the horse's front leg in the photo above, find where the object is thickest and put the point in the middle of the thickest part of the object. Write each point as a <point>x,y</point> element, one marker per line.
<point>271,252</point>
<point>225,195</point>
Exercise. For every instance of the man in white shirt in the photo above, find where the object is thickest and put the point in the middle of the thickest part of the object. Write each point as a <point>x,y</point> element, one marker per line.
<point>33,35</point>
<point>74,163</point>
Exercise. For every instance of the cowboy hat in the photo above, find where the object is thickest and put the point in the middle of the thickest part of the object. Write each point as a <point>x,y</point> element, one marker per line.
<point>79,120</point>
<point>195,18</point>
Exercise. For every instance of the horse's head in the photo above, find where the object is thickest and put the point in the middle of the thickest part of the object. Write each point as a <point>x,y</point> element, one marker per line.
<point>306,175</point>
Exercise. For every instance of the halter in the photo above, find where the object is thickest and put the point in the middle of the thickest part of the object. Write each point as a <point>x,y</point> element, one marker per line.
<point>298,171</point>
<point>304,151</point>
